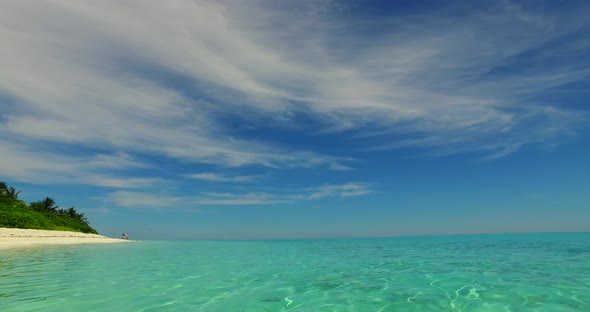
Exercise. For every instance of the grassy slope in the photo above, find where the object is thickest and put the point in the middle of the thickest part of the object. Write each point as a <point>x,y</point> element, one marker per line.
<point>17,214</point>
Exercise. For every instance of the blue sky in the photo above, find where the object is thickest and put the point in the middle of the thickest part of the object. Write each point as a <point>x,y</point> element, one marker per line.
<point>265,119</point>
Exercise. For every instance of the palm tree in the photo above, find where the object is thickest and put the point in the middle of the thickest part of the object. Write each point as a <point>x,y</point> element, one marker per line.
<point>49,204</point>
<point>45,205</point>
<point>71,212</point>
<point>12,193</point>
<point>80,217</point>
<point>8,192</point>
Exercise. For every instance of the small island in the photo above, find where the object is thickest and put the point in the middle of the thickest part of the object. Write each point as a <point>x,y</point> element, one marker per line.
<point>40,215</point>
<point>42,223</point>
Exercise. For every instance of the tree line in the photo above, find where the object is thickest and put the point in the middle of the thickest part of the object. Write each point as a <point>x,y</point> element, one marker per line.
<point>46,205</point>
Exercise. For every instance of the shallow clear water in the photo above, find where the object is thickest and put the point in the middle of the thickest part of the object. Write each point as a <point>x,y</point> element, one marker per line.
<point>540,272</point>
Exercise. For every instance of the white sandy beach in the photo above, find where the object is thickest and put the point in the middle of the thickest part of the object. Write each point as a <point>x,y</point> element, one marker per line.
<point>15,238</point>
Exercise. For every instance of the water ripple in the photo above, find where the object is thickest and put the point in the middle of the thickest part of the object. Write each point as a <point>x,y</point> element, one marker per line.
<point>472,273</point>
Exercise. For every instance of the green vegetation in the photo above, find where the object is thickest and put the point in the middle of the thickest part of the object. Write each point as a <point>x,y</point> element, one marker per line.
<point>41,215</point>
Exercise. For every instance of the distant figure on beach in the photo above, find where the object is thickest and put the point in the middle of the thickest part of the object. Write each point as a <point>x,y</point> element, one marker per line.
<point>123,236</point>
<point>126,235</point>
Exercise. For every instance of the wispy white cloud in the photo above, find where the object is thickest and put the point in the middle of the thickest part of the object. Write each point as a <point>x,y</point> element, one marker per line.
<point>116,182</point>
<point>75,71</point>
<point>147,200</point>
<point>38,165</point>
<point>99,210</point>
<point>339,167</point>
<point>152,200</point>
<point>144,199</point>
<point>344,190</point>
<point>154,77</point>
<point>241,199</point>
<point>116,161</point>
<point>214,177</point>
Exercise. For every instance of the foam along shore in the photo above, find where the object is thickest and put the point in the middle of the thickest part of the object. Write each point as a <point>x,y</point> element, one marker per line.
<point>15,238</point>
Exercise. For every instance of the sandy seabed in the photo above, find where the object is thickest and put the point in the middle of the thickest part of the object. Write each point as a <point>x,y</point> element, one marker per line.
<point>15,238</point>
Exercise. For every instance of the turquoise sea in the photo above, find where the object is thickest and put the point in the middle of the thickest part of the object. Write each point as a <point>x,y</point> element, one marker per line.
<point>524,272</point>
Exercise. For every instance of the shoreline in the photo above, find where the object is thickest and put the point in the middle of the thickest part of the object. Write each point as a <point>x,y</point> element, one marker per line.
<point>20,238</point>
